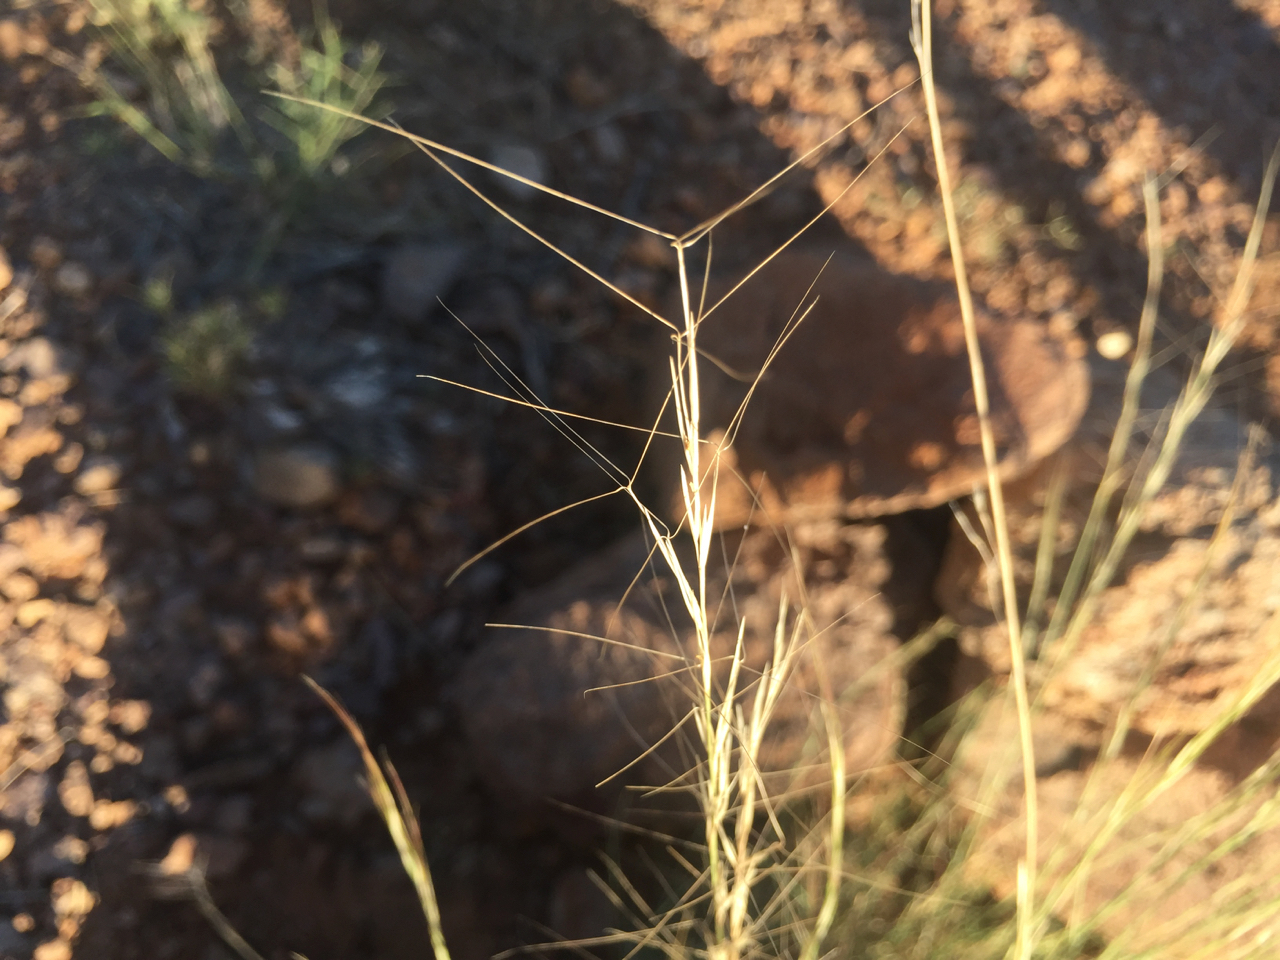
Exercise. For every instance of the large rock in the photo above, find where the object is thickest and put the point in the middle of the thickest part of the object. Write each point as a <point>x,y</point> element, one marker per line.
<point>1196,617</point>
<point>867,408</point>
<point>1183,858</point>
<point>553,712</point>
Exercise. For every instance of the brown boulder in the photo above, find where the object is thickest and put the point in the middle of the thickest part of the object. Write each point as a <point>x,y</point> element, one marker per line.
<point>1201,623</point>
<point>553,712</point>
<point>868,407</point>
<point>1164,866</point>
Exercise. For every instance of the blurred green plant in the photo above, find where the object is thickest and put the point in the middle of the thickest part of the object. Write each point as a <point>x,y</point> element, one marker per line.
<point>183,108</point>
<point>323,75</point>
<point>205,350</point>
<point>166,47</point>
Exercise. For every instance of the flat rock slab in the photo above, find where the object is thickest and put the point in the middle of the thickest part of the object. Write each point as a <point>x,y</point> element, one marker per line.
<point>552,709</point>
<point>868,408</point>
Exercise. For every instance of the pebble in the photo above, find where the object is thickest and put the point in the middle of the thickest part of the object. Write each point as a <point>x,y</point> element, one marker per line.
<point>524,161</point>
<point>91,668</point>
<point>74,790</point>
<point>6,269</point>
<point>99,475</point>
<point>87,628</point>
<point>299,477</point>
<point>416,275</point>
<point>12,39</point>
<point>71,898</point>
<point>11,558</point>
<point>321,549</point>
<point>71,849</point>
<point>38,358</point>
<point>10,415</point>
<point>46,253</point>
<point>73,280</point>
<point>131,716</point>
<point>10,497</point>
<point>609,143</point>
<point>107,815</point>
<point>6,843</point>
<point>19,587</point>
<point>1115,344</point>
<point>181,856</point>
<point>360,388</point>
<point>52,950</point>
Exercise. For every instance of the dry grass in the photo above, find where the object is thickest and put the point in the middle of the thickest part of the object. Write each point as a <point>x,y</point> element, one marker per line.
<point>901,885</point>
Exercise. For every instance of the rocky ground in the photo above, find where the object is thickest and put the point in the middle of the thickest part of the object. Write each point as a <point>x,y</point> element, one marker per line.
<point>176,552</point>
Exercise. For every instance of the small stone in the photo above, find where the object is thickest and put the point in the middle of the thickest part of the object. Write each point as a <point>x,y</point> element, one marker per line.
<point>6,843</point>
<point>6,269</point>
<point>1115,344</point>
<point>360,388</point>
<point>10,415</point>
<point>57,544</point>
<point>19,587</point>
<point>610,144</point>
<point>87,628</point>
<point>38,358</point>
<point>12,39</point>
<point>52,950</point>
<point>1212,190</point>
<point>176,797</point>
<point>416,275</point>
<point>71,849</point>
<point>24,799</point>
<point>33,611</point>
<point>74,790</point>
<point>107,815</point>
<point>181,856</point>
<point>46,253</point>
<point>71,898</point>
<point>322,549</point>
<point>72,455</point>
<point>282,419</point>
<point>99,475</point>
<point>91,668</point>
<point>300,477</point>
<point>11,559</point>
<point>73,280</point>
<point>130,716</point>
<point>523,161</point>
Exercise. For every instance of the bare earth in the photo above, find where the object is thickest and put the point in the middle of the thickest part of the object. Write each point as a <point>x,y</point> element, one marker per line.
<point>170,564</point>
